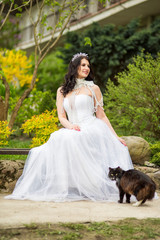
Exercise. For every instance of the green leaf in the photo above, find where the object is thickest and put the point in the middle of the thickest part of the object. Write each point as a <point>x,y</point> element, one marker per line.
<point>2,74</point>
<point>20,9</point>
<point>15,5</point>
<point>49,28</point>
<point>82,7</point>
<point>44,19</point>
<point>18,15</point>
<point>87,41</point>
<point>39,35</point>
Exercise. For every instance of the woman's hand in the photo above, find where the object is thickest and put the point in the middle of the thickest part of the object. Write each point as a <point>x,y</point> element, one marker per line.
<point>75,127</point>
<point>122,141</point>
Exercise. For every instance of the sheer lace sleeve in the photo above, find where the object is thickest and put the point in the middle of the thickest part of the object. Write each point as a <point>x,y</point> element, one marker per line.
<point>98,98</point>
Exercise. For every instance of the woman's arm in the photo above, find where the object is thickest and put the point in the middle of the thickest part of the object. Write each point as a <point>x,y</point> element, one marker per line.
<point>101,114</point>
<point>62,114</point>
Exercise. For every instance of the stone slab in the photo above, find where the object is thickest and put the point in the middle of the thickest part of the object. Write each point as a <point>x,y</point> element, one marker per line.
<point>15,213</point>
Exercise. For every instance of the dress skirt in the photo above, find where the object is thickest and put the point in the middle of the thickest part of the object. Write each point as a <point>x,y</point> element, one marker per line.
<point>73,165</point>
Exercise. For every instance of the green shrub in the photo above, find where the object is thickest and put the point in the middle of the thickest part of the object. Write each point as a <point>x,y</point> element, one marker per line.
<point>155,148</point>
<point>47,102</point>
<point>155,153</point>
<point>51,73</point>
<point>156,159</point>
<point>134,105</point>
<point>35,104</point>
<point>41,126</point>
<point>5,132</point>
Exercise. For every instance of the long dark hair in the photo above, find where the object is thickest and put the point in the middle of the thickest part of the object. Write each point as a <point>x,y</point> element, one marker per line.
<point>70,77</point>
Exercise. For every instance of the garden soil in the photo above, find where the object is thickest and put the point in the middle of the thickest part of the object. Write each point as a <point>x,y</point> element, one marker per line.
<point>16,213</point>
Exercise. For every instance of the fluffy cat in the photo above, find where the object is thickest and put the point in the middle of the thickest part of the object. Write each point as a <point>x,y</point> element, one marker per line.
<point>133,182</point>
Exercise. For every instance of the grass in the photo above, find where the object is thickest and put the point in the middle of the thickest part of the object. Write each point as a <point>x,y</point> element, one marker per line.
<point>16,143</point>
<point>127,229</point>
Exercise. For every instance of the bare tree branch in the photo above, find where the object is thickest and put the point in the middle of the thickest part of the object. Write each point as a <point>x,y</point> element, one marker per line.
<point>30,12</point>
<point>2,7</point>
<point>47,47</point>
<point>11,9</point>
<point>7,15</point>
<point>54,30</point>
<point>37,3</point>
<point>23,5</point>
<point>54,43</point>
<point>36,25</point>
<point>40,12</point>
<point>33,24</point>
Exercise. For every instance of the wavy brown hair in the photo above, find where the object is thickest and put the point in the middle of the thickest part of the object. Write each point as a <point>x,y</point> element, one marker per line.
<point>70,77</point>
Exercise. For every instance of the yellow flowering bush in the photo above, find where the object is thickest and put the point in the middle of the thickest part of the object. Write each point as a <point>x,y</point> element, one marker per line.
<point>5,132</point>
<point>42,126</point>
<point>15,67</point>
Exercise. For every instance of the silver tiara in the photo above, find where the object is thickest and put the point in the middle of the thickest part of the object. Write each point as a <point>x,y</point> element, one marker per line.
<point>77,55</point>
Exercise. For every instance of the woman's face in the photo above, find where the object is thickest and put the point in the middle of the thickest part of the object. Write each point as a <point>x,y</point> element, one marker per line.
<point>83,69</point>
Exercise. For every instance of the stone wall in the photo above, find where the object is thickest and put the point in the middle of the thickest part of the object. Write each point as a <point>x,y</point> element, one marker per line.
<point>10,171</point>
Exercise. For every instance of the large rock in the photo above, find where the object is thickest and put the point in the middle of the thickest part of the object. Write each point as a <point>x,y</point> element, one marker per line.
<point>156,178</point>
<point>139,149</point>
<point>153,173</point>
<point>10,171</point>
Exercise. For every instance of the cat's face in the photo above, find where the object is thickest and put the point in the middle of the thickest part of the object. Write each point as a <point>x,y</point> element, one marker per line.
<point>115,173</point>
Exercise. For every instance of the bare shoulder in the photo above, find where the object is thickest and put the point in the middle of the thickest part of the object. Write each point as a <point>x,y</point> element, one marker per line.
<point>96,88</point>
<point>59,90</point>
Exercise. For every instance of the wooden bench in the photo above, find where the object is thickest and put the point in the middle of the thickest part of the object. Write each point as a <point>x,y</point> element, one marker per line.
<point>14,151</point>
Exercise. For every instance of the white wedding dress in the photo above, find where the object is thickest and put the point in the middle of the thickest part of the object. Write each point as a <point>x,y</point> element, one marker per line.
<point>73,165</point>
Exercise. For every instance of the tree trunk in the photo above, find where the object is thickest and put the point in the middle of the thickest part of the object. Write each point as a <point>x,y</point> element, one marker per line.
<point>2,110</point>
<point>6,101</point>
<point>22,98</point>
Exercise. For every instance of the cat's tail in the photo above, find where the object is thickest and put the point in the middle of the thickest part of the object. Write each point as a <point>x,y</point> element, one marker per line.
<point>151,191</point>
<point>147,192</point>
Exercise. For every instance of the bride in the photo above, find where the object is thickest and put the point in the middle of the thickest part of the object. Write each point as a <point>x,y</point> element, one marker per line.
<point>73,164</point>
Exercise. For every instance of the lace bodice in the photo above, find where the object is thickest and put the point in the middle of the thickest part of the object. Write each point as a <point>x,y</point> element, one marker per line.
<point>81,103</point>
<point>82,110</point>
